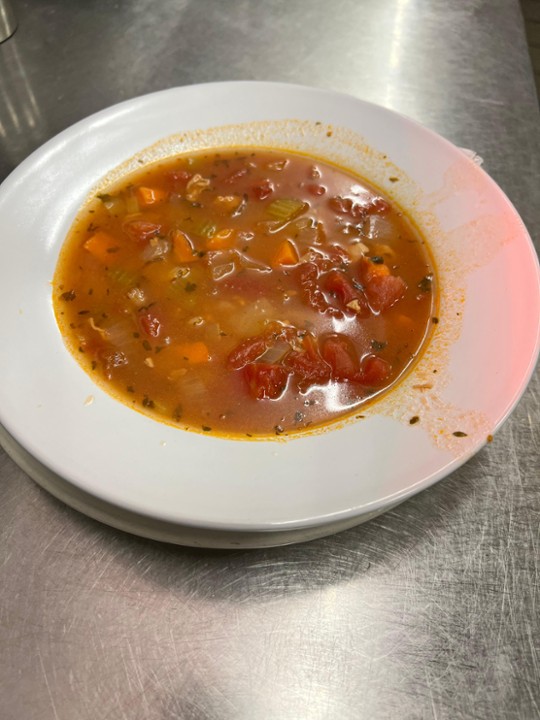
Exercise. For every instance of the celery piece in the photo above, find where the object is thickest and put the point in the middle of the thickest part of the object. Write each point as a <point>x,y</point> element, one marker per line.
<point>121,277</point>
<point>285,209</point>
<point>206,229</point>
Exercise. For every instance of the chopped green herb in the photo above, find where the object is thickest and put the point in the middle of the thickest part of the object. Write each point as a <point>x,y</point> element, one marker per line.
<point>177,413</point>
<point>376,345</point>
<point>415,419</point>
<point>190,287</point>
<point>130,389</point>
<point>147,402</point>
<point>425,283</point>
<point>146,345</point>
<point>94,364</point>
<point>206,428</point>
<point>435,320</point>
<point>104,197</point>
<point>68,296</point>
<point>459,433</point>
<point>278,429</point>
<point>377,259</point>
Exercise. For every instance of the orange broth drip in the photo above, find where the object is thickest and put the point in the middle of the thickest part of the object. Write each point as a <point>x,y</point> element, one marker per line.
<point>244,292</point>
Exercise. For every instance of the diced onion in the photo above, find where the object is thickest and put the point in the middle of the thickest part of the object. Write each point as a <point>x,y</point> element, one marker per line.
<point>276,352</point>
<point>137,296</point>
<point>221,271</point>
<point>120,334</point>
<point>191,387</point>
<point>156,248</point>
<point>379,228</point>
<point>357,250</point>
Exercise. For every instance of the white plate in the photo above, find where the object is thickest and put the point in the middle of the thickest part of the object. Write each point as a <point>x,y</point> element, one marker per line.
<point>484,347</point>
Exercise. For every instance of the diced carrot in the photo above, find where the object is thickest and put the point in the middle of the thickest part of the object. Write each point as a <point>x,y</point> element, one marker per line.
<point>194,352</point>
<point>222,240</point>
<point>150,196</point>
<point>183,248</point>
<point>378,270</point>
<point>286,254</point>
<point>103,247</point>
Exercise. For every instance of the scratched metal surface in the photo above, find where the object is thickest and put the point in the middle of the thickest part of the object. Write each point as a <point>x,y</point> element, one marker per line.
<point>430,611</point>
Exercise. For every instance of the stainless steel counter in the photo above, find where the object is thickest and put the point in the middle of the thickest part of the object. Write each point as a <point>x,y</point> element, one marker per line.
<point>429,611</point>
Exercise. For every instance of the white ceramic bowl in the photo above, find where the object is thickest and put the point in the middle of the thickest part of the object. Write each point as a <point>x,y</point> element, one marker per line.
<point>483,350</point>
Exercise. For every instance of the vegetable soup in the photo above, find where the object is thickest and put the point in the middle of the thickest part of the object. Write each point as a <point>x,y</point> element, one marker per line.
<point>244,292</point>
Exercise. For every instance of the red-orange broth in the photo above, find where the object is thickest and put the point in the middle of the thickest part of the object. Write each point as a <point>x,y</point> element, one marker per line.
<point>244,292</point>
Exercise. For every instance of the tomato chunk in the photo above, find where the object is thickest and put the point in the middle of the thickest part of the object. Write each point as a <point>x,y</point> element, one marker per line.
<point>179,178</point>
<point>383,291</point>
<point>236,175</point>
<point>308,364</point>
<point>373,371</point>
<point>315,189</point>
<point>141,230</point>
<point>340,354</point>
<point>150,323</point>
<point>308,279</point>
<point>266,381</point>
<point>247,352</point>
<point>342,288</point>
<point>264,190</point>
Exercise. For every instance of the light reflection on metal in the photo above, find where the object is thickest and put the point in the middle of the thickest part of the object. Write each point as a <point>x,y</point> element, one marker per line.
<point>20,116</point>
<point>8,21</point>
<point>395,56</point>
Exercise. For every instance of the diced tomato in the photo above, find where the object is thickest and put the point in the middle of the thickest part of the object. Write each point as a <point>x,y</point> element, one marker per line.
<point>307,275</point>
<point>308,364</point>
<point>179,178</point>
<point>315,189</point>
<point>264,190</point>
<point>340,286</point>
<point>150,322</point>
<point>350,206</point>
<point>384,291</point>
<point>340,354</point>
<point>380,205</point>
<point>340,204</point>
<point>373,371</point>
<point>247,352</point>
<point>141,230</point>
<point>265,380</point>
<point>338,255</point>
<point>236,175</point>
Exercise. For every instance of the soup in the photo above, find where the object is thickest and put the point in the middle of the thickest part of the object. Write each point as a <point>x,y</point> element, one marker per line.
<point>244,292</point>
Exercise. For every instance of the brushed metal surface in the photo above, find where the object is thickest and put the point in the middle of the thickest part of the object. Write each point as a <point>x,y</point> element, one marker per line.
<point>429,611</point>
